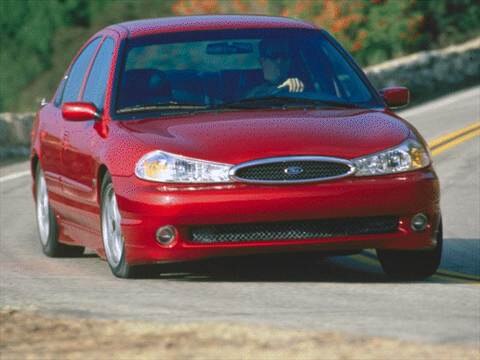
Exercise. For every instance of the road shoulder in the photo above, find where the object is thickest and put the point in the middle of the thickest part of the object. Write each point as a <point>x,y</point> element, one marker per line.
<point>51,337</point>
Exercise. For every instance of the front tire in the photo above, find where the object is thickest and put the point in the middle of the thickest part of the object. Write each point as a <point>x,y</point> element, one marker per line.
<point>112,236</point>
<point>412,265</point>
<point>47,224</point>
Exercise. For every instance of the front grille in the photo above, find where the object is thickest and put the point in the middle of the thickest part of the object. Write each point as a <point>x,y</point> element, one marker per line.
<point>292,170</point>
<point>292,230</point>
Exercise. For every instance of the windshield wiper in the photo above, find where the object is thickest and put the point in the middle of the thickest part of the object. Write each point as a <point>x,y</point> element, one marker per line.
<point>168,106</point>
<point>285,102</point>
<point>247,103</point>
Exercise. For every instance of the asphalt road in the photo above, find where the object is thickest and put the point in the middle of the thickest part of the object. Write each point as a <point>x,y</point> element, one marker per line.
<point>348,294</point>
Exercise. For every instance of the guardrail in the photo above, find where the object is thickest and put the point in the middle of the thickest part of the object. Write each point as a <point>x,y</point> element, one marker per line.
<point>15,134</point>
<point>430,73</point>
<point>426,74</point>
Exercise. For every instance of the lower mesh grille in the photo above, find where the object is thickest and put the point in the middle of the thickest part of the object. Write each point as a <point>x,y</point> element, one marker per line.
<point>292,230</point>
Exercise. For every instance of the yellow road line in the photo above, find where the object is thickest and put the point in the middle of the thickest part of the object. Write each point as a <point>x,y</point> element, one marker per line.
<point>360,258</point>
<point>369,258</point>
<point>438,146</point>
<point>446,279</point>
<point>447,137</point>
<point>371,254</point>
<point>441,275</point>
<point>459,275</point>
<point>455,138</point>
<point>455,142</point>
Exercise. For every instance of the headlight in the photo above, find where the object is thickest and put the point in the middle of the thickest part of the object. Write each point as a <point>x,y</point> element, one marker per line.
<point>410,155</point>
<point>165,167</point>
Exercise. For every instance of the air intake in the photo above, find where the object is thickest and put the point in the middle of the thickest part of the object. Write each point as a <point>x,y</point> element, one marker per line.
<point>292,230</point>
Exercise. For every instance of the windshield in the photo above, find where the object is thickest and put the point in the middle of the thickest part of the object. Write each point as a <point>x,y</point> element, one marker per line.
<point>265,68</point>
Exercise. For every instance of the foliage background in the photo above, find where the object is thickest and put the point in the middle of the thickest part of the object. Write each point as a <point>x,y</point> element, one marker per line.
<point>39,37</point>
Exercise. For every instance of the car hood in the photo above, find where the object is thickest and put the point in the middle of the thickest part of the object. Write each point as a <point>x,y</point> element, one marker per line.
<point>235,137</point>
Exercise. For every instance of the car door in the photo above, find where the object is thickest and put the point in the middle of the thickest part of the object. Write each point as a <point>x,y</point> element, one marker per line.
<point>51,143</point>
<point>81,143</point>
<point>71,92</point>
<point>51,132</point>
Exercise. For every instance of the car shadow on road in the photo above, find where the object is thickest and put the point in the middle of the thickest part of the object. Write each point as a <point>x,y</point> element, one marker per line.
<point>262,269</point>
<point>460,265</point>
<point>346,269</point>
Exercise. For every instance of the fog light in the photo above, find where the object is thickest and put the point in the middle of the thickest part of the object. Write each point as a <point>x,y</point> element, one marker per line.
<point>165,235</point>
<point>419,222</point>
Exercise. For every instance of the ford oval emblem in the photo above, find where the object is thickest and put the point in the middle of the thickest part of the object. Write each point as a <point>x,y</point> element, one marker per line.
<point>293,170</point>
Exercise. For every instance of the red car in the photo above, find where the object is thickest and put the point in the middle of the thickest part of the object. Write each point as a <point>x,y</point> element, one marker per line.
<point>192,137</point>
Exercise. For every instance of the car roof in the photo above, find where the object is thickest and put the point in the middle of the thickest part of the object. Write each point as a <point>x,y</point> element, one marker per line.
<point>207,22</point>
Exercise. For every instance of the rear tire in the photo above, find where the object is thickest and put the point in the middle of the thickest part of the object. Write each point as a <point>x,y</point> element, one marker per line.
<point>47,223</point>
<point>112,236</point>
<point>412,265</point>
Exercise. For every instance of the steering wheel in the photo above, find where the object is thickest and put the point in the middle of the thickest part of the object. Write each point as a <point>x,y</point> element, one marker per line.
<point>268,90</point>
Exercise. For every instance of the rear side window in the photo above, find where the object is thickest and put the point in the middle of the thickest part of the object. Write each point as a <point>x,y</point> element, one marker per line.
<point>97,80</point>
<point>77,72</point>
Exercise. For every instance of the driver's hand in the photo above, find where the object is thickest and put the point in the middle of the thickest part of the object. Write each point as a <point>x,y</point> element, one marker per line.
<point>293,85</point>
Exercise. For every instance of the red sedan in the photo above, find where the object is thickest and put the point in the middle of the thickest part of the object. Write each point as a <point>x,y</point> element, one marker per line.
<point>185,138</point>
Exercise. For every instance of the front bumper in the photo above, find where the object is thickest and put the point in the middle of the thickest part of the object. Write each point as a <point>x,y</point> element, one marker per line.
<point>146,206</point>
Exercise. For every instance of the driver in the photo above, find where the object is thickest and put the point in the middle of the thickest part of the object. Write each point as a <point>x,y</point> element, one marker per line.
<point>275,58</point>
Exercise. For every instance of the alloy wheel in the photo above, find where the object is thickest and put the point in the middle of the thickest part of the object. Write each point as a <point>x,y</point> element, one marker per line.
<point>111,229</point>
<point>43,209</point>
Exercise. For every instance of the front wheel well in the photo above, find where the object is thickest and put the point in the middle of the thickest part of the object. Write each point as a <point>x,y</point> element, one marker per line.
<point>101,174</point>
<point>34,164</point>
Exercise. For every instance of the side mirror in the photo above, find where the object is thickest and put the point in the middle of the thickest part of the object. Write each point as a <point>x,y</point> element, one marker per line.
<point>80,111</point>
<point>395,96</point>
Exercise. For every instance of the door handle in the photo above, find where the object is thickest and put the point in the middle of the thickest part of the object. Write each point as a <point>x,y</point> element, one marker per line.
<point>65,140</point>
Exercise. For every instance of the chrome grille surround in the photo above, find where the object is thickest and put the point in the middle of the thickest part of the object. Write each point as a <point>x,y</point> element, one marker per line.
<point>285,161</point>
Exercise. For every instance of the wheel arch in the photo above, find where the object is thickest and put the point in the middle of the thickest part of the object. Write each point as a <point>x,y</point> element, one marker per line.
<point>102,171</point>
<point>35,160</point>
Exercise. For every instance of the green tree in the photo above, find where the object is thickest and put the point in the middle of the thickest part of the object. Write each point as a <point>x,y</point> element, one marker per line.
<point>25,41</point>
